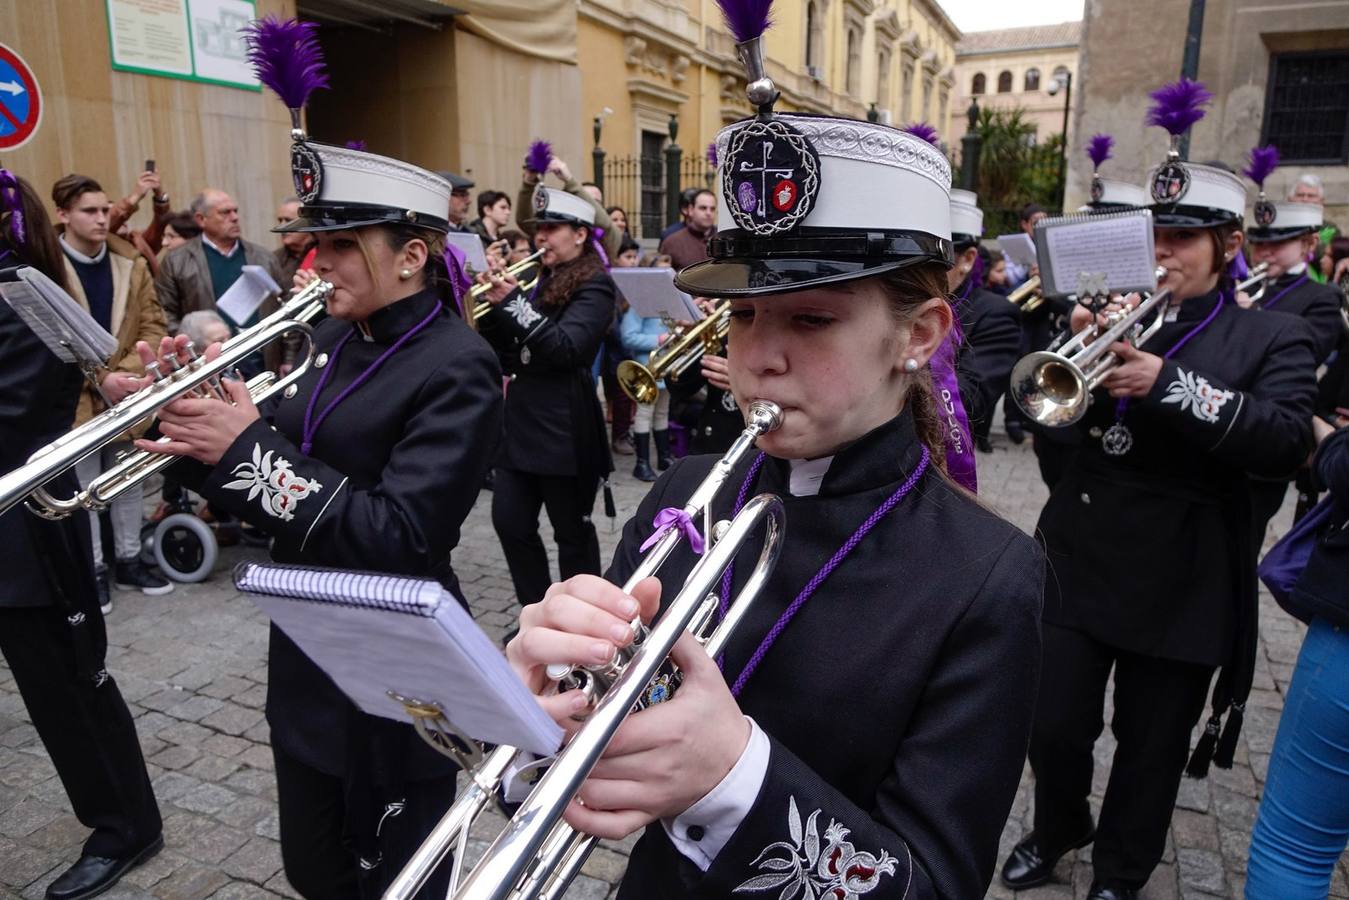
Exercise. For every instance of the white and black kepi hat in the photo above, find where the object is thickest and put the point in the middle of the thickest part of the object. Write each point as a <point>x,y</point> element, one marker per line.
<point>1113,195</point>
<point>560,206</point>
<point>341,188</point>
<point>1186,194</point>
<point>1286,221</point>
<point>967,219</point>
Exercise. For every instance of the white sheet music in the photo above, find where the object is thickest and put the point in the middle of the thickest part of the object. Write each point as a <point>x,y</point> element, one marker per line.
<point>374,633</point>
<point>469,244</point>
<point>1118,246</point>
<point>652,292</point>
<point>243,298</point>
<point>1019,248</point>
<point>57,319</point>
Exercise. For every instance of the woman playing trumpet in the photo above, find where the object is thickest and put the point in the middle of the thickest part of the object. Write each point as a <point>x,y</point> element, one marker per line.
<point>842,743</point>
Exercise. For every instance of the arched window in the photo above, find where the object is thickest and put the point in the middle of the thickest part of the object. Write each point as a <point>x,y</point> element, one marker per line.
<point>1005,83</point>
<point>852,75</point>
<point>979,85</point>
<point>1032,80</point>
<point>883,79</point>
<point>812,23</point>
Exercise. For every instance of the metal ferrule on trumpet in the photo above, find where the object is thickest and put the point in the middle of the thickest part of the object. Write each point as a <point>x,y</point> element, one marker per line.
<point>642,382</point>
<point>1054,387</point>
<point>1255,282</point>
<point>26,482</point>
<point>538,854</point>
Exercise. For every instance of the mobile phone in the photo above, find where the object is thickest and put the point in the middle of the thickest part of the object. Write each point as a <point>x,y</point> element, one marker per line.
<point>149,165</point>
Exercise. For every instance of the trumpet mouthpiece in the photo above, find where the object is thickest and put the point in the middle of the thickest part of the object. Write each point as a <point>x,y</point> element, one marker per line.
<point>765,415</point>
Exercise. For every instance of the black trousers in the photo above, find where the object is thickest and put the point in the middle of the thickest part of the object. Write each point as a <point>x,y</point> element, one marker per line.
<point>319,862</point>
<point>1053,457</point>
<point>84,725</point>
<point>569,499</point>
<point>1157,702</point>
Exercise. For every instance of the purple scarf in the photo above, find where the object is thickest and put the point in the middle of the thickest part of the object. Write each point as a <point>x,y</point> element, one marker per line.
<point>460,284</point>
<point>955,423</point>
<point>11,202</point>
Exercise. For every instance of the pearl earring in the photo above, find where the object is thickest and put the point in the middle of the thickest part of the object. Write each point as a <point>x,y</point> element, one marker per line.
<point>910,365</point>
<point>405,274</point>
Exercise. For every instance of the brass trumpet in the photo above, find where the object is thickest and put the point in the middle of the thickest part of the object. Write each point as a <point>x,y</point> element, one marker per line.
<point>171,381</point>
<point>1054,387</point>
<point>640,382</point>
<point>538,854</point>
<point>1258,279</point>
<point>1028,295</point>
<point>517,269</point>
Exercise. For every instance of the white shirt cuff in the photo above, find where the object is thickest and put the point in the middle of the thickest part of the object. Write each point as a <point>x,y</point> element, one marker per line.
<point>704,828</point>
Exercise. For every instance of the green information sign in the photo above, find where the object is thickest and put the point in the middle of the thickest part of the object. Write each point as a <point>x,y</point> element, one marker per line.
<point>195,40</point>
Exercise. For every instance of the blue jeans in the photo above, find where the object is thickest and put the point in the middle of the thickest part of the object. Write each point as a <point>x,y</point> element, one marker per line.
<point>1303,822</point>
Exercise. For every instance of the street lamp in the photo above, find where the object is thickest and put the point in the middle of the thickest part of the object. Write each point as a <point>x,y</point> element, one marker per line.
<point>1063,81</point>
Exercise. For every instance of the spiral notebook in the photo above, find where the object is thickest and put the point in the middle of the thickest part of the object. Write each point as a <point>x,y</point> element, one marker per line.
<point>373,634</point>
<point>63,325</point>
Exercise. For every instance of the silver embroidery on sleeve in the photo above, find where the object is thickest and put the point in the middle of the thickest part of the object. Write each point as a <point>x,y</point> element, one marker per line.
<point>1193,392</point>
<point>522,312</point>
<point>835,871</point>
<point>279,488</point>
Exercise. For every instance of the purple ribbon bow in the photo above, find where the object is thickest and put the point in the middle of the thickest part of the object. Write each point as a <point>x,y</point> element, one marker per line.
<point>10,201</point>
<point>955,423</point>
<point>460,284</point>
<point>597,238</point>
<point>668,518</point>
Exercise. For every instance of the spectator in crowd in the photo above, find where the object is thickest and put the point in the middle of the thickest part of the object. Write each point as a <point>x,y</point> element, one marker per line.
<point>593,192</point>
<point>619,216</point>
<point>459,199</point>
<point>494,212</point>
<point>686,198</point>
<point>110,278</point>
<point>1308,189</point>
<point>641,335</point>
<point>657,261</point>
<point>688,245</point>
<point>204,327</point>
<point>179,228</point>
<point>295,245</point>
<point>148,241</point>
<point>620,405</point>
<point>995,271</point>
<point>197,274</point>
<point>1017,275</point>
<point>518,245</point>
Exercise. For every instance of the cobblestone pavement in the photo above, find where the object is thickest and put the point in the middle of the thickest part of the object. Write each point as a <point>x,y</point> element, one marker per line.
<point>192,665</point>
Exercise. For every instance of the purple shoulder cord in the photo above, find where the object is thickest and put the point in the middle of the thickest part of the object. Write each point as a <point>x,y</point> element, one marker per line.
<point>1280,295</point>
<point>825,571</point>
<point>311,425</point>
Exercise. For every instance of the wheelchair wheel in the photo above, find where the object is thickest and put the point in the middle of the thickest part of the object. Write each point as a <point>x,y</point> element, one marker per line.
<point>184,547</point>
<point>147,556</point>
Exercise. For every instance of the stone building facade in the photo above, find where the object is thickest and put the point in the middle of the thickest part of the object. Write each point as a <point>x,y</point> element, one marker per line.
<point>1015,67</point>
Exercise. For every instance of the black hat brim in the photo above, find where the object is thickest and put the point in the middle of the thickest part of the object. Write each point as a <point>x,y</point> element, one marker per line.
<point>1182,216</point>
<point>1275,235</point>
<point>551,218</point>
<point>756,276</point>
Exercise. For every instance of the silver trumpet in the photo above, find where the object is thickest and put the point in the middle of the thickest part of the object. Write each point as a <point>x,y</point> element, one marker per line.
<point>1054,387</point>
<point>172,380</point>
<point>1257,279</point>
<point>537,854</point>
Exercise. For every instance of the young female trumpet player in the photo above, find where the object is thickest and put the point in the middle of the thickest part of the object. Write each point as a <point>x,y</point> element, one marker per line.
<point>864,732</point>
<point>1148,536</point>
<point>372,462</point>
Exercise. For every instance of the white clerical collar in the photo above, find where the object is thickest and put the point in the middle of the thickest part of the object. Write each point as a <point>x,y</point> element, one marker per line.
<point>807,474</point>
<point>80,257</point>
<point>1296,270</point>
<point>216,247</point>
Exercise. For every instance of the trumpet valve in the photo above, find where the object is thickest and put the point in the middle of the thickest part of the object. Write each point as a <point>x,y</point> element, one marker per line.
<point>719,531</point>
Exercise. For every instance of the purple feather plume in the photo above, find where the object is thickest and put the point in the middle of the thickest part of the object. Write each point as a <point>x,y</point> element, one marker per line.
<point>356,144</point>
<point>922,131</point>
<point>286,56</point>
<point>712,154</point>
<point>746,19</point>
<point>539,156</point>
<point>1098,148</point>
<point>1178,105</point>
<point>1263,161</point>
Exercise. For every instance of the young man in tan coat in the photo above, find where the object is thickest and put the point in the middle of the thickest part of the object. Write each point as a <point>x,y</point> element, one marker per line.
<point>110,278</point>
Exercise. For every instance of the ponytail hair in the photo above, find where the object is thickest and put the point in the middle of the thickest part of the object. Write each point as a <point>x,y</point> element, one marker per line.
<point>26,233</point>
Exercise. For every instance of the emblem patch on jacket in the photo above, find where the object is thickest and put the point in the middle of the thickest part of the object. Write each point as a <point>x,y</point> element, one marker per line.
<point>803,868</point>
<point>522,312</point>
<point>1193,392</point>
<point>279,488</point>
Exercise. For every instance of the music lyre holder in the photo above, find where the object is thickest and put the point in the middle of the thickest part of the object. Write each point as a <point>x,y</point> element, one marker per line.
<point>434,727</point>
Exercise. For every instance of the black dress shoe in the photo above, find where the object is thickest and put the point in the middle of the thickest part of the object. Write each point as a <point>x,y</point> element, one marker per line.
<point>93,875</point>
<point>1029,865</point>
<point>983,444</point>
<point>1015,433</point>
<point>1107,891</point>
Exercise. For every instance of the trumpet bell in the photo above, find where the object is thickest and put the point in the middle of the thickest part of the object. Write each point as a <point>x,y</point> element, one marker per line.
<point>1050,388</point>
<point>637,382</point>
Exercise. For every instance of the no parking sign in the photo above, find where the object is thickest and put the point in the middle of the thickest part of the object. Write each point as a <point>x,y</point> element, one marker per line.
<point>20,101</point>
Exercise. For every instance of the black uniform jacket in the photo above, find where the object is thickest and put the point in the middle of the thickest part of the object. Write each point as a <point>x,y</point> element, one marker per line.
<point>394,470</point>
<point>554,422</point>
<point>1151,551</point>
<point>992,330</point>
<point>1318,304</point>
<point>719,421</point>
<point>898,701</point>
<point>38,396</point>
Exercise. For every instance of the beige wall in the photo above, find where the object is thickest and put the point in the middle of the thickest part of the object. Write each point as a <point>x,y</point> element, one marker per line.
<point>105,124</point>
<point>1238,37</point>
<point>1042,110</point>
